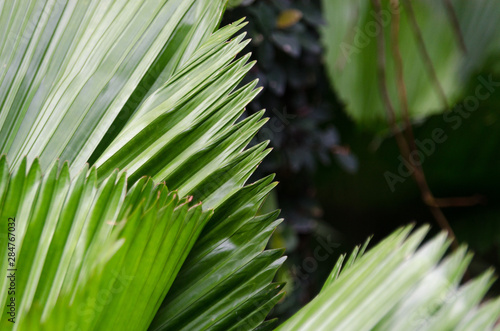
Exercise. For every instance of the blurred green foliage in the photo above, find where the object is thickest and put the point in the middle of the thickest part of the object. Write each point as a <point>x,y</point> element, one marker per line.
<point>351,37</point>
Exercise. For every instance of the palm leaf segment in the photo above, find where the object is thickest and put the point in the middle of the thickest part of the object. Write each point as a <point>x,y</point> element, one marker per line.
<point>85,253</point>
<point>398,286</point>
<point>144,86</point>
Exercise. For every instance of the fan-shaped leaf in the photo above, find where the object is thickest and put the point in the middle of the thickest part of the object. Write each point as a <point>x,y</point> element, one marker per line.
<point>89,255</point>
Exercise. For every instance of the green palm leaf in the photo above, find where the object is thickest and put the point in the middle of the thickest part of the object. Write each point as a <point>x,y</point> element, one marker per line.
<point>399,286</point>
<point>86,253</point>
<point>226,277</point>
<point>72,67</point>
<point>146,87</point>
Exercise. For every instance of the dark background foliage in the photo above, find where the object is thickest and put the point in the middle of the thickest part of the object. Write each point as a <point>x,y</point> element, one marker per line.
<point>332,191</point>
<point>301,129</point>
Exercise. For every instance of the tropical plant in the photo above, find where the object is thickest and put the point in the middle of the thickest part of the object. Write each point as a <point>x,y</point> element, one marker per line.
<point>149,88</point>
<point>396,286</point>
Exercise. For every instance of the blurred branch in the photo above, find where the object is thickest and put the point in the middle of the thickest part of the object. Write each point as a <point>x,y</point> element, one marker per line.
<point>403,144</point>
<point>455,24</point>
<point>460,201</point>
<point>424,53</point>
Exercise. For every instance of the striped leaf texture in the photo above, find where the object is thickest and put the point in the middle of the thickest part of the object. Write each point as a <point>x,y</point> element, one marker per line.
<point>149,88</point>
<point>90,256</point>
<point>401,284</point>
<point>69,68</point>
